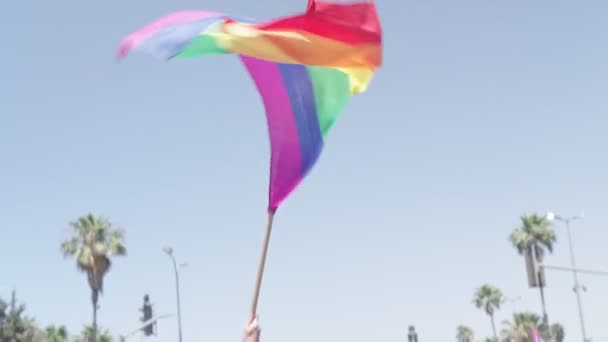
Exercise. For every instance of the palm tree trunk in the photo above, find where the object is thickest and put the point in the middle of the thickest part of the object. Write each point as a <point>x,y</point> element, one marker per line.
<point>94,300</point>
<point>493,327</point>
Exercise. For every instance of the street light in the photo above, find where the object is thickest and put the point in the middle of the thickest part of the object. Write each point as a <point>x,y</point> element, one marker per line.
<point>513,301</point>
<point>169,252</point>
<point>577,287</point>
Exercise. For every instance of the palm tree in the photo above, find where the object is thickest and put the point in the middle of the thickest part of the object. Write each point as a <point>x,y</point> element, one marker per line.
<point>15,326</point>
<point>488,298</point>
<point>94,242</point>
<point>535,231</point>
<point>521,328</point>
<point>102,335</point>
<point>3,313</point>
<point>531,239</point>
<point>55,334</point>
<point>557,332</point>
<point>464,334</point>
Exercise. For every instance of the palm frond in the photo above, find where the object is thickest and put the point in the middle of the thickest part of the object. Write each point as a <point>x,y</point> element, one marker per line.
<point>70,247</point>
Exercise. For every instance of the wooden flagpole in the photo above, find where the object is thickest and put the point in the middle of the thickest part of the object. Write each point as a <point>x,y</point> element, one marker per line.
<point>258,284</point>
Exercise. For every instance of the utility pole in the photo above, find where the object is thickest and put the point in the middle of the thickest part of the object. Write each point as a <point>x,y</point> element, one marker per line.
<point>577,286</point>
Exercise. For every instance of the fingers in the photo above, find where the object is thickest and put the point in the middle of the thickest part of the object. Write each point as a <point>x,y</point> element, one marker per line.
<point>251,317</point>
<point>253,324</point>
<point>252,329</point>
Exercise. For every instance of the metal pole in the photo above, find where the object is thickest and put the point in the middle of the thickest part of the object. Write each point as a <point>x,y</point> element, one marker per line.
<point>152,320</point>
<point>513,303</point>
<point>577,286</point>
<point>542,299</point>
<point>169,251</point>
<point>569,269</point>
<point>541,285</point>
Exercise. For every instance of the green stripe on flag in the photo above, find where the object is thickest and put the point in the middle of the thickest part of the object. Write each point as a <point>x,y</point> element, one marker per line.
<point>332,91</point>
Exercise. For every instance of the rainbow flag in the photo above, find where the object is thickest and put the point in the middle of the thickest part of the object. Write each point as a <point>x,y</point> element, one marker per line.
<point>305,67</point>
<point>534,335</point>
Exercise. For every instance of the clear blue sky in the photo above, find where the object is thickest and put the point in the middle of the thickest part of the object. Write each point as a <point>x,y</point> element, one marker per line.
<point>484,110</point>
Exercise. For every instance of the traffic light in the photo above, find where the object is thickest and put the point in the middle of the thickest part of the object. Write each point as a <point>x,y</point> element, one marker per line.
<point>147,311</point>
<point>412,335</point>
<point>536,274</point>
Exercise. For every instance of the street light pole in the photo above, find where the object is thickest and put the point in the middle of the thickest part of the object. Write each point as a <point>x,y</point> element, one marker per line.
<point>152,320</point>
<point>577,286</point>
<point>513,302</point>
<point>169,252</point>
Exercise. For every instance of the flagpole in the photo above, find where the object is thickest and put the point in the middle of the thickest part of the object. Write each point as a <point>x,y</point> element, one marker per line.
<point>258,284</point>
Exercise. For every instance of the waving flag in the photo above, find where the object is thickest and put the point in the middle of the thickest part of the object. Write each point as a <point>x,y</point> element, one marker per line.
<point>305,67</point>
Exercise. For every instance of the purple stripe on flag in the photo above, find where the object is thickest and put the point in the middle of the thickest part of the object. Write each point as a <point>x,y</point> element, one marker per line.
<point>286,156</point>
